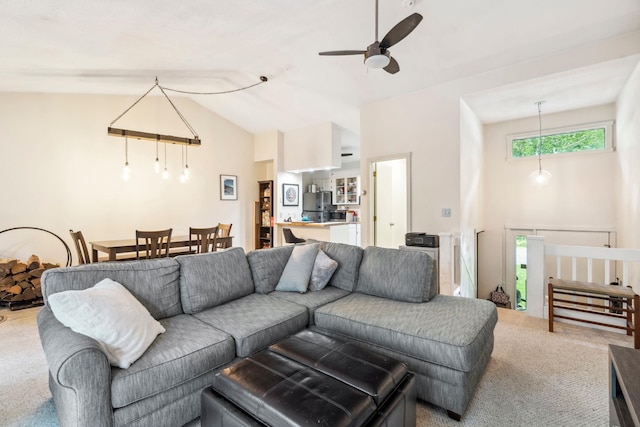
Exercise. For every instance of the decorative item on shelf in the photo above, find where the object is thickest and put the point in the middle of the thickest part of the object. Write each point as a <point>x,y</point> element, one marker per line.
<point>228,187</point>
<point>540,176</point>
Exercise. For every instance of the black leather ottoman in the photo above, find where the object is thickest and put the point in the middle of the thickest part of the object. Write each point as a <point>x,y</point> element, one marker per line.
<point>310,379</point>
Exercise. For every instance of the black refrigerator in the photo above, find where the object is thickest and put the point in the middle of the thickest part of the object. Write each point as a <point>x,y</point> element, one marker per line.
<point>317,205</point>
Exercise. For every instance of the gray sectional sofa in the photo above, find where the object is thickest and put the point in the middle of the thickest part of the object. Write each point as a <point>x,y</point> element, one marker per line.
<point>221,306</point>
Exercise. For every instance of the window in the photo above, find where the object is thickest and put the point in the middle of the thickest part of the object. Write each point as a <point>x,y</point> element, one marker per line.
<point>595,137</point>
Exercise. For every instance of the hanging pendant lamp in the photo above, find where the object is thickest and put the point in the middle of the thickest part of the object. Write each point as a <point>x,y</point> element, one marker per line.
<point>540,176</point>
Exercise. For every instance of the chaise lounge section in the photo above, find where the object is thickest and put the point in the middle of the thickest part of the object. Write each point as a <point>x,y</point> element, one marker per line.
<point>222,306</point>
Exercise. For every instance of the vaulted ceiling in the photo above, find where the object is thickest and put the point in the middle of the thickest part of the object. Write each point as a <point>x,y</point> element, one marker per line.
<point>120,46</point>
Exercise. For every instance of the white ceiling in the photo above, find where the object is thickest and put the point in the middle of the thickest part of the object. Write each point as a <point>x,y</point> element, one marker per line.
<point>120,46</point>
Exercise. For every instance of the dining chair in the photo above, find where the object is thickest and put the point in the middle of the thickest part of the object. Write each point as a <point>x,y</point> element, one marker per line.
<point>289,237</point>
<point>81,247</point>
<point>224,230</point>
<point>203,239</point>
<point>156,243</point>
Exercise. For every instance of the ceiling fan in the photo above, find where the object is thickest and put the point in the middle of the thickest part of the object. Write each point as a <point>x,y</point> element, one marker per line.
<point>377,54</point>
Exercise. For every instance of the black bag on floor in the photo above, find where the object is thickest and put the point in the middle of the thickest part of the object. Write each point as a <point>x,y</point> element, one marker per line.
<point>499,296</point>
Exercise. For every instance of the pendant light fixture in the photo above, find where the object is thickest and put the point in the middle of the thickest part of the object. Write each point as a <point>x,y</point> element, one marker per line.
<point>165,172</point>
<point>540,176</point>
<point>183,177</point>
<point>157,164</point>
<point>126,171</point>
<point>186,162</point>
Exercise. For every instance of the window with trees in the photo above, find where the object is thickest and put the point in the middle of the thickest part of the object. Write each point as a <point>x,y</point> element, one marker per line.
<point>595,137</point>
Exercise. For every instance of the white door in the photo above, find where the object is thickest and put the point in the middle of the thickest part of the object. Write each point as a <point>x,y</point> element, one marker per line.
<point>390,202</point>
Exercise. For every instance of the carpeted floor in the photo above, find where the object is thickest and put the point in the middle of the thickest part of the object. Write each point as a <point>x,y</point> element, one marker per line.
<point>534,378</point>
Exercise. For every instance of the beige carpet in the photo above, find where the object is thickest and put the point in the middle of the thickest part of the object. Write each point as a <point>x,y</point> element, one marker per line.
<point>534,378</point>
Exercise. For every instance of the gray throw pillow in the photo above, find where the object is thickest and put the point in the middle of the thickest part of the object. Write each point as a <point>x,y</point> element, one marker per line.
<point>297,272</point>
<point>323,269</point>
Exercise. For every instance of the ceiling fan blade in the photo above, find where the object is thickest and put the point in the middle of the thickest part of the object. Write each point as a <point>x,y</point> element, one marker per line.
<point>343,52</point>
<point>393,66</point>
<point>401,30</point>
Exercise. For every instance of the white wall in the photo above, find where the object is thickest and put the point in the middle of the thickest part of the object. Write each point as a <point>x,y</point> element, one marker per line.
<point>628,159</point>
<point>60,170</point>
<point>581,193</point>
<point>471,195</point>
<point>425,124</point>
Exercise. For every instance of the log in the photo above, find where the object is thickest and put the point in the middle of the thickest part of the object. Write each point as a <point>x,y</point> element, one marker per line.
<point>36,282</point>
<point>33,262</point>
<point>20,277</point>
<point>9,264</point>
<point>19,268</point>
<point>7,282</point>
<point>47,265</point>
<point>15,289</point>
<point>24,284</point>
<point>28,294</point>
<point>37,272</point>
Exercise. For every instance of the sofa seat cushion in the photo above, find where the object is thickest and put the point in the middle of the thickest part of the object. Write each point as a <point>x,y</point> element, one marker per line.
<point>447,331</point>
<point>256,321</point>
<point>312,300</point>
<point>188,349</point>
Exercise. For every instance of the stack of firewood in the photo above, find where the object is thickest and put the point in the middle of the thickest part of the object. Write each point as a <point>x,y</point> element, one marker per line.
<point>20,282</point>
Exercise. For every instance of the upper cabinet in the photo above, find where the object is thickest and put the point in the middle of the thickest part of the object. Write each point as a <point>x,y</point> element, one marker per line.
<point>346,190</point>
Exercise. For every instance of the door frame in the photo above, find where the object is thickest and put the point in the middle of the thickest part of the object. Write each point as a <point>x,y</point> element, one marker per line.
<point>372,190</point>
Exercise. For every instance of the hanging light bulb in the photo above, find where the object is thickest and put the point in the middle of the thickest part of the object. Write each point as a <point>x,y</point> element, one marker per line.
<point>183,176</point>
<point>165,172</point>
<point>186,163</point>
<point>126,172</point>
<point>540,176</point>
<point>157,165</point>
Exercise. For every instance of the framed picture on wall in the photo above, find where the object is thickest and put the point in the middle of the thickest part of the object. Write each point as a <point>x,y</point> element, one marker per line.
<point>228,187</point>
<point>290,195</point>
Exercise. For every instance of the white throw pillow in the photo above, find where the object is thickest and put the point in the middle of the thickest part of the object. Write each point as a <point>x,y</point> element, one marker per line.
<point>323,269</point>
<point>108,313</point>
<point>297,272</point>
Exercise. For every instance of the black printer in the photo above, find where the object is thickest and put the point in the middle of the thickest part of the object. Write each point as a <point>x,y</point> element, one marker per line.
<point>422,239</point>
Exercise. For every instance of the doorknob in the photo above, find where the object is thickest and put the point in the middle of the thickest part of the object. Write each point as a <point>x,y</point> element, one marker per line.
<point>391,224</point>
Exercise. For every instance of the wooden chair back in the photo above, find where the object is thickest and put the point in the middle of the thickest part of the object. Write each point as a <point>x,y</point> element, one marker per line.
<point>155,244</point>
<point>224,230</point>
<point>203,239</point>
<point>81,247</point>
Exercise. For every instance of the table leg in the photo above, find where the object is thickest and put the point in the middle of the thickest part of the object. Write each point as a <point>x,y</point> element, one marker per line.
<point>94,255</point>
<point>112,255</point>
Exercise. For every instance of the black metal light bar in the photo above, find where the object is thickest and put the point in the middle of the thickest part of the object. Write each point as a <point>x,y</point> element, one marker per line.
<point>153,136</point>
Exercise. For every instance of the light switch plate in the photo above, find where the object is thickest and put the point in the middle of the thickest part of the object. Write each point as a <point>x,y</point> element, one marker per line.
<point>446,212</point>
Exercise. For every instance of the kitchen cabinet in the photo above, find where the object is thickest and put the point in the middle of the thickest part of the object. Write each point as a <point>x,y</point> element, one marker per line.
<point>346,190</point>
<point>264,215</point>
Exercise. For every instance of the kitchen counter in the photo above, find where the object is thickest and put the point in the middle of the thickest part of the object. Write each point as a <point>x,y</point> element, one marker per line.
<point>313,224</point>
<point>332,231</point>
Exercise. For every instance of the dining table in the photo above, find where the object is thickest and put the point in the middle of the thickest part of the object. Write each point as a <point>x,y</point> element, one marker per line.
<point>128,246</point>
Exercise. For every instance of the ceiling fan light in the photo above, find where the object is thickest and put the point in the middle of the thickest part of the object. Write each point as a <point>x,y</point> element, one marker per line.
<point>377,61</point>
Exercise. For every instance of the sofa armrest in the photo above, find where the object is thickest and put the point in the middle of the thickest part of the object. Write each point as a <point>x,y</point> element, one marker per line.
<point>80,374</point>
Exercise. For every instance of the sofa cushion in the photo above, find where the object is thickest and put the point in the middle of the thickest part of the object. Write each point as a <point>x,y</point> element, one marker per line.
<point>399,275</point>
<point>297,272</point>
<point>348,258</point>
<point>256,321</point>
<point>323,269</point>
<point>188,349</point>
<point>267,266</point>
<point>108,313</point>
<point>447,331</point>
<point>312,300</point>
<point>155,283</point>
<point>213,278</point>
